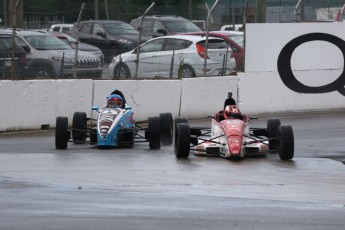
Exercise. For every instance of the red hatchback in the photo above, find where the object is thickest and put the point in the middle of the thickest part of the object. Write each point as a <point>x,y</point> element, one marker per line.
<point>235,40</point>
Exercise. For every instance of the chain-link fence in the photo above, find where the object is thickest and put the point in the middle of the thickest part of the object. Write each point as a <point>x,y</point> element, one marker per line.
<point>103,43</point>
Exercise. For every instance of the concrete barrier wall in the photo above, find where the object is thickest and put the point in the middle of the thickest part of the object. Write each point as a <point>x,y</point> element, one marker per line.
<point>202,97</point>
<point>30,104</point>
<point>264,92</point>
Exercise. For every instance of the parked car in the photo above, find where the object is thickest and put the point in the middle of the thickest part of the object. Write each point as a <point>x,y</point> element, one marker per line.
<point>6,62</point>
<point>235,39</point>
<point>161,25</point>
<point>49,57</point>
<point>175,56</point>
<point>112,37</point>
<point>63,28</point>
<point>81,45</point>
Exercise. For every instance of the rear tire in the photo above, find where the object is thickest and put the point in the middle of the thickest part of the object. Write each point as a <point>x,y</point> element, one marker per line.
<point>286,142</point>
<point>121,71</point>
<point>153,133</point>
<point>272,132</point>
<point>62,135</point>
<point>182,140</point>
<point>166,128</point>
<point>187,71</point>
<point>79,127</point>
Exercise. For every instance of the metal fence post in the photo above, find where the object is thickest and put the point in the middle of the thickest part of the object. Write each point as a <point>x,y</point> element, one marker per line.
<point>76,45</point>
<point>207,31</point>
<point>139,39</point>
<point>14,39</point>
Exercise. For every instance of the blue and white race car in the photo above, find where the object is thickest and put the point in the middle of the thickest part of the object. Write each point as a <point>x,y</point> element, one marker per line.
<point>115,127</point>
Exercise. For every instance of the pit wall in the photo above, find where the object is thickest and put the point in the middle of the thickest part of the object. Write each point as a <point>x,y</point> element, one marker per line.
<point>317,65</point>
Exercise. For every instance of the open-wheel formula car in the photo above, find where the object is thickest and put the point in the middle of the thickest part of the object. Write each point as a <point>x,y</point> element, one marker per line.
<point>231,137</point>
<point>114,127</point>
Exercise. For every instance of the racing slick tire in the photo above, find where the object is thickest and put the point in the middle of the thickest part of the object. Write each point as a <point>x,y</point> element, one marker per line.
<point>79,127</point>
<point>121,71</point>
<point>166,128</point>
<point>153,133</point>
<point>62,135</point>
<point>286,142</point>
<point>272,133</point>
<point>182,140</point>
<point>179,120</point>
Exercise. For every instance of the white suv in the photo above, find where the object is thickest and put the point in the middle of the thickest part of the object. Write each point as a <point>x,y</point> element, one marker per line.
<point>49,57</point>
<point>176,56</point>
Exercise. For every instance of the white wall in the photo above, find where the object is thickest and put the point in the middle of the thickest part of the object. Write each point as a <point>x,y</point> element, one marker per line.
<point>30,104</point>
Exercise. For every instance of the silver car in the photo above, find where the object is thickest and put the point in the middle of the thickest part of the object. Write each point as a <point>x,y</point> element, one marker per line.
<point>176,56</point>
<point>49,57</point>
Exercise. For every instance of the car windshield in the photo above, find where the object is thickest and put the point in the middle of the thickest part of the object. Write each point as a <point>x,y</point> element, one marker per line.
<point>181,26</point>
<point>119,28</point>
<point>238,39</point>
<point>42,42</point>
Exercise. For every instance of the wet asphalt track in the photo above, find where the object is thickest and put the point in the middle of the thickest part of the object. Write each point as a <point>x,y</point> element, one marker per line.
<point>89,188</point>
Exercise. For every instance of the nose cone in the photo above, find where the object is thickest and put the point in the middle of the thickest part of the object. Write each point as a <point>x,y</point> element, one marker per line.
<point>235,143</point>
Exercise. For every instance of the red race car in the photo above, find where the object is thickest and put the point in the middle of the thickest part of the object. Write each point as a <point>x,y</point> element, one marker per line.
<point>231,137</point>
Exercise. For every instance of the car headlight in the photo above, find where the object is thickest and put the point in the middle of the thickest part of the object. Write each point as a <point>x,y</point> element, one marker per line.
<point>126,42</point>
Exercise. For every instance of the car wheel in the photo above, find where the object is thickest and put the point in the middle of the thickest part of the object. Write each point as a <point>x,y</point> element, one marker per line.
<point>286,143</point>
<point>166,128</point>
<point>187,71</point>
<point>153,135</point>
<point>79,127</point>
<point>182,140</point>
<point>272,132</point>
<point>43,72</point>
<point>121,71</point>
<point>61,133</point>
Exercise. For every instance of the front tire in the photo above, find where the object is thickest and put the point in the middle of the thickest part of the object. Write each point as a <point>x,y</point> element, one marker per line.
<point>286,142</point>
<point>166,128</point>
<point>61,133</point>
<point>272,133</point>
<point>79,127</point>
<point>182,140</point>
<point>153,133</point>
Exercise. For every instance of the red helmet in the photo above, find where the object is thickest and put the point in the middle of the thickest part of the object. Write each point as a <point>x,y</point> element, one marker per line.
<point>115,101</point>
<point>231,111</point>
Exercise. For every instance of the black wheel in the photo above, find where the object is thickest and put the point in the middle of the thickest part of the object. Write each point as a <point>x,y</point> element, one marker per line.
<point>121,71</point>
<point>166,128</point>
<point>182,140</point>
<point>179,120</point>
<point>187,71</point>
<point>79,127</point>
<point>272,132</point>
<point>286,146</point>
<point>61,133</point>
<point>153,133</point>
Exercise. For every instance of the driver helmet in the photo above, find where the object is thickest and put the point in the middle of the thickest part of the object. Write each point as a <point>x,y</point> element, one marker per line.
<point>231,110</point>
<point>115,101</point>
